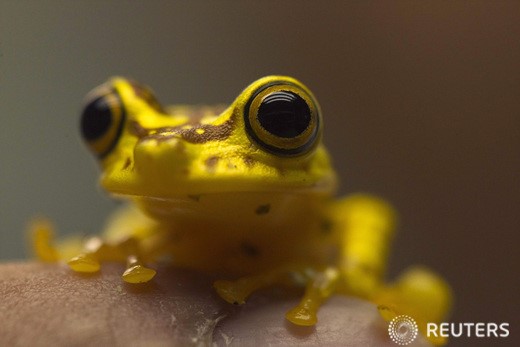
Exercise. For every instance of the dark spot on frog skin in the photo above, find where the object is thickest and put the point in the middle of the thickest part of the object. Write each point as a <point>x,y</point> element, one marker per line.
<point>137,129</point>
<point>326,226</point>
<point>127,164</point>
<point>249,161</point>
<point>194,197</point>
<point>249,249</point>
<point>211,162</point>
<point>263,209</point>
<point>231,166</point>
<point>307,167</point>
<point>281,171</point>
<point>180,148</point>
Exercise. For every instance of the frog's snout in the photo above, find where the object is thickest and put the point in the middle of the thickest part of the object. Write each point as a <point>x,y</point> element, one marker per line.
<point>166,154</point>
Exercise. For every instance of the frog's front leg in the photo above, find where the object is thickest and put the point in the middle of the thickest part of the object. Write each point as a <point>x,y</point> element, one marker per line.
<point>97,250</point>
<point>236,292</point>
<point>135,271</point>
<point>319,286</point>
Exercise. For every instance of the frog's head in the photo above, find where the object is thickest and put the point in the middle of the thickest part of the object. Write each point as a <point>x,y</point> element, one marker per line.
<point>267,140</point>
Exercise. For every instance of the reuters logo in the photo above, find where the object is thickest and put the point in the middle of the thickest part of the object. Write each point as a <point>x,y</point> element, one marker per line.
<point>403,330</point>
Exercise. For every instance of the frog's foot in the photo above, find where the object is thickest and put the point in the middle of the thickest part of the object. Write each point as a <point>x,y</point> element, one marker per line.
<point>85,262</point>
<point>319,288</point>
<point>89,261</point>
<point>236,292</point>
<point>136,272</point>
<point>420,294</point>
<point>97,250</point>
<point>304,314</point>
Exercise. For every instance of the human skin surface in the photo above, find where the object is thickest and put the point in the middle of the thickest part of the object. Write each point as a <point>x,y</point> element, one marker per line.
<point>47,304</point>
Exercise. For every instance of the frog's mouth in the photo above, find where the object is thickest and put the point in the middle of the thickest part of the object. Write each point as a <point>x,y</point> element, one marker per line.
<point>169,186</point>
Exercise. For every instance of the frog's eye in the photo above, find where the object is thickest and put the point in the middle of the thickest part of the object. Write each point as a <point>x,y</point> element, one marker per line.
<point>283,119</point>
<point>102,122</point>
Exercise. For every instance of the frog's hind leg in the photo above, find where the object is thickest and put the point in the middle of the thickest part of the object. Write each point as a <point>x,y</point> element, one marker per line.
<point>320,287</point>
<point>44,246</point>
<point>41,234</point>
<point>366,226</point>
<point>418,293</point>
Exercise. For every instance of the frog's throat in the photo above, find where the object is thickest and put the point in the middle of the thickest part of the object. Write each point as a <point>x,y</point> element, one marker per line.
<point>249,208</point>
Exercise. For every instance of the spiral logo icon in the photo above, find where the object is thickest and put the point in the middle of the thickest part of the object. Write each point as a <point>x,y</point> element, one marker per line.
<point>403,330</point>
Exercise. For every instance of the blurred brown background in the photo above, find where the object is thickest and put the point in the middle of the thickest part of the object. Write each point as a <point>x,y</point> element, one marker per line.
<point>420,98</point>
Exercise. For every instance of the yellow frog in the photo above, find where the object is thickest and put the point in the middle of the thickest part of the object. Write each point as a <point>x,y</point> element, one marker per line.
<point>245,192</point>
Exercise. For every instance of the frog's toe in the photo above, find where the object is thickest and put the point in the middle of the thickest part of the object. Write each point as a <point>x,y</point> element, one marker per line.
<point>230,292</point>
<point>138,274</point>
<point>84,263</point>
<point>302,316</point>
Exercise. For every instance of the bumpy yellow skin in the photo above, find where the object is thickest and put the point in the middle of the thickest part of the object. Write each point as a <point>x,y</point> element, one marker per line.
<point>205,192</point>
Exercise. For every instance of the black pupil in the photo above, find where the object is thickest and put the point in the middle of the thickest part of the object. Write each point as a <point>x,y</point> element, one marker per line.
<point>284,114</point>
<point>96,119</point>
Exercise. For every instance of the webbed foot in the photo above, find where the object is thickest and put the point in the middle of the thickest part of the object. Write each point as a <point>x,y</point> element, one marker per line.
<point>138,274</point>
<point>420,294</point>
<point>320,287</point>
<point>234,292</point>
<point>304,314</point>
<point>86,263</point>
